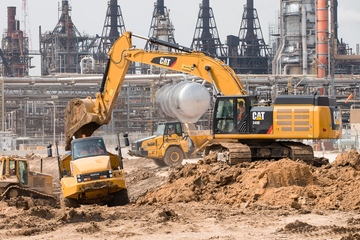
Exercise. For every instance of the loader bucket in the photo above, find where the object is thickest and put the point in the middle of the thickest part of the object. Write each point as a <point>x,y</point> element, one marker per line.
<point>80,119</point>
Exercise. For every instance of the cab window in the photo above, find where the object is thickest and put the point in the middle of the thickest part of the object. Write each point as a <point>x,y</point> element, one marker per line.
<point>225,116</point>
<point>23,172</point>
<point>12,168</point>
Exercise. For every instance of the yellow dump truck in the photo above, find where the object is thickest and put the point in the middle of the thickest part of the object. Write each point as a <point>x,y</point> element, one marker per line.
<point>91,174</point>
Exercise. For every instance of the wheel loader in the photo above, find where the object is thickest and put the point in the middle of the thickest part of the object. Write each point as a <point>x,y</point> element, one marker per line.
<point>172,142</point>
<point>16,180</point>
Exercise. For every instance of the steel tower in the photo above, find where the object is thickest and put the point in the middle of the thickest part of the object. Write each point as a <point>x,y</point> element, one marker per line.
<point>248,53</point>
<point>206,36</point>
<point>114,26</point>
<point>161,27</point>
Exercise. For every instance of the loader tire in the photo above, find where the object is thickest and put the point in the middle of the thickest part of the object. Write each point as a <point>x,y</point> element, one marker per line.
<point>119,198</point>
<point>173,156</point>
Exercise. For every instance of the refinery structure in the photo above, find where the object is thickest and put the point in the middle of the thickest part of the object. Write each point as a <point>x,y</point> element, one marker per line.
<point>305,55</point>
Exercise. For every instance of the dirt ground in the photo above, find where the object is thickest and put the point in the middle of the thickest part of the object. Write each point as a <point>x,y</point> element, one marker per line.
<point>205,200</point>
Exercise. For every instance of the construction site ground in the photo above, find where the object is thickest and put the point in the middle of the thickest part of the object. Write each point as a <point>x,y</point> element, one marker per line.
<point>282,199</point>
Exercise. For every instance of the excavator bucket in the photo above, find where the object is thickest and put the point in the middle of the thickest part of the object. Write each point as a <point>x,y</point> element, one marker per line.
<point>80,119</point>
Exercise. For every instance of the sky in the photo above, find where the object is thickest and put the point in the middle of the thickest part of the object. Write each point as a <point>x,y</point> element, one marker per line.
<point>89,16</point>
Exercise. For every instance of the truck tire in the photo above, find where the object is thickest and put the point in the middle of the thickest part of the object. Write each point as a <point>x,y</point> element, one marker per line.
<point>119,198</point>
<point>68,202</point>
<point>173,156</point>
<point>159,162</point>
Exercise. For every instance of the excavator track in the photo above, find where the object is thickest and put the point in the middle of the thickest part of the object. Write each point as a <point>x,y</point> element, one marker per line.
<point>236,152</point>
<point>16,191</point>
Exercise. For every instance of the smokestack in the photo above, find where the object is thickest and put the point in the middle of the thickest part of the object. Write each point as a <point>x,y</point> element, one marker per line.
<point>250,21</point>
<point>206,19</point>
<point>322,30</point>
<point>11,20</point>
<point>160,8</point>
<point>114,33</point>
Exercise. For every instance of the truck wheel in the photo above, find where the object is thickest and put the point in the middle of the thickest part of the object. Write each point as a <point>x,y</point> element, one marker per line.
<point>68,202</point>
<point>119,198</point>
<point>159,162</point>
<point>173,156</point>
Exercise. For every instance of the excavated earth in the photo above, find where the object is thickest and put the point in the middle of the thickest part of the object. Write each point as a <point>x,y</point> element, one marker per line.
<point>205,200</point>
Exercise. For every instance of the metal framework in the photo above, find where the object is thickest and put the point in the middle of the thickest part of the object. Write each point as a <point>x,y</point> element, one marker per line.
<point>64,49</point>
<point>114,26</point>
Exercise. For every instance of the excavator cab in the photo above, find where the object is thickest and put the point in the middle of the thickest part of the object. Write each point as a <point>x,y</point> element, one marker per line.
<point>231,114</point>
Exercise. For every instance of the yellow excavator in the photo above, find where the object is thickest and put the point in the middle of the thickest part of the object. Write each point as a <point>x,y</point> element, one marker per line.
<point>264,131</point>
<point>258,133</point>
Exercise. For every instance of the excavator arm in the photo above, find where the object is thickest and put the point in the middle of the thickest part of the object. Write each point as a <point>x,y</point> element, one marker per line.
<point>84,116</point>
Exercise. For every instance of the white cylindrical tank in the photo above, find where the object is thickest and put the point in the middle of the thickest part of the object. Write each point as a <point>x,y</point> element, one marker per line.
<point>186,101</point>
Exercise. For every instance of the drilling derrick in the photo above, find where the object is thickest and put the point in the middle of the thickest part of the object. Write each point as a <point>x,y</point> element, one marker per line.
<point>114,26</point>
<point>206,37</point>
<point>14,50</point>
<point>64,49</point>
<point>248,53</point>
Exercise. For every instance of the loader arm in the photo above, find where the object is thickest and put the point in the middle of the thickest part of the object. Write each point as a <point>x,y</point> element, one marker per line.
<point>84,116</point>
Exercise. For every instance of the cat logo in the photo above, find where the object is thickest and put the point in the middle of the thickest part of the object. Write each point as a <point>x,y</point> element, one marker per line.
<point>258,116</point>
<point>164,61</point>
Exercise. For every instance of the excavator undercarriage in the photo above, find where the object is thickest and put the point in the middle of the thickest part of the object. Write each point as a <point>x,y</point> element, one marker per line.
<point>234,152</point>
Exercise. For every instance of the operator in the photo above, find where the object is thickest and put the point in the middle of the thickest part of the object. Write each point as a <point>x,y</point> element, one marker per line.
<point>241,110</point>
<point>84,152</point>
<point>171,130</point>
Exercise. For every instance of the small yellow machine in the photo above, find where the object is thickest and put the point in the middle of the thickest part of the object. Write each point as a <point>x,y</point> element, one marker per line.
<point>17,180</point>
<point>172,142</point>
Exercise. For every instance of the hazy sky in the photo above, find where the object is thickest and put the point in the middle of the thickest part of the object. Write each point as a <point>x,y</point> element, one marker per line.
<point>88,16</point>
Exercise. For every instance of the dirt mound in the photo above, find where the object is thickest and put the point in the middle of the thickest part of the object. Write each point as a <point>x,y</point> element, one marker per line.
<point>351,159</point>
<point>265,184</point>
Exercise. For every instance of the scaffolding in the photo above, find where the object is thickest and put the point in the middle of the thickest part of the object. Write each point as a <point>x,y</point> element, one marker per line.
<point>64,48</point>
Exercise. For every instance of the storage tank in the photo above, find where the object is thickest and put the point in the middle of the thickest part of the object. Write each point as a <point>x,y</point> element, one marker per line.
<point>186,101</point>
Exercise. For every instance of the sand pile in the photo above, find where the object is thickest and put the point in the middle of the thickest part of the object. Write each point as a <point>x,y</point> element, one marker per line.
<point>265,184</point>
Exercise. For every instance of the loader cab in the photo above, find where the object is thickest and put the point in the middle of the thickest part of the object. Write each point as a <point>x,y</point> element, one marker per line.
<point>169,128</point>
<point>232,114</point>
